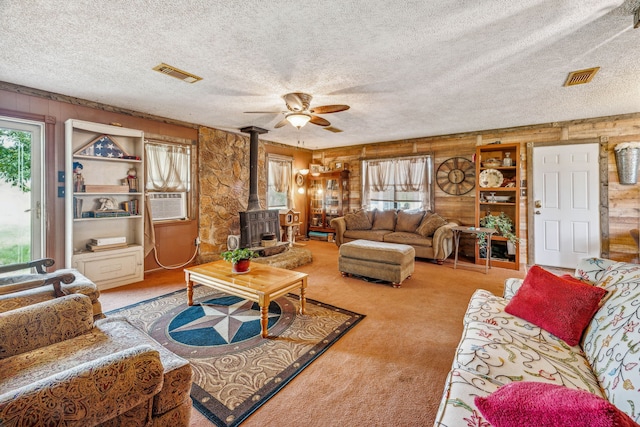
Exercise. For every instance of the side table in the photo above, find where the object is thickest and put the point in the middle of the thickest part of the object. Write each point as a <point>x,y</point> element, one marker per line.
<point>457,230</point>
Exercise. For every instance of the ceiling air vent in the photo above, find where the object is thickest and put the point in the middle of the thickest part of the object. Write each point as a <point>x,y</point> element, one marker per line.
<point>177,73</point>
<point>332,129</point>
<point>581,76</point>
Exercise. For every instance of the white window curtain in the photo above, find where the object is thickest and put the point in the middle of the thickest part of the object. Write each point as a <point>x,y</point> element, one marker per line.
<point>380,175</point>
<point>398,182</point>
<point>280,185</point>
<point>168,167</point>
<point>410,174</point>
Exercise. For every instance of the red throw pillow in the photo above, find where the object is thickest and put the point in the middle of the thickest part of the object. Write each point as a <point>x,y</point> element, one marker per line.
<point>562,307</point>
<point>533,404</point>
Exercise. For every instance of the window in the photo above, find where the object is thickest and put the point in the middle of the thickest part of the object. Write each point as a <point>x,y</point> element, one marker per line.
<point>279,186</point>
<point>168,178</point>
<point>398,183</point>
<point>168,167</point>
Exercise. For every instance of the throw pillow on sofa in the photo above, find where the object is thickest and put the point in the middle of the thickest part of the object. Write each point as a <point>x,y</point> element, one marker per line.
<point>357,221</point>
<point>408,221</point>
<point>384,220</point>
<point>560,306</point>
<point>536,404</point>
<point>430,223</point>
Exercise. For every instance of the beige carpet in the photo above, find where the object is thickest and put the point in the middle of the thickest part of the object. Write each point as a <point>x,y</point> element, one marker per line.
<point>390,369</point>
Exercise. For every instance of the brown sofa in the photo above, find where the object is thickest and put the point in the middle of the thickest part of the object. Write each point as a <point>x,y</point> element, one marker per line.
<point>427,232</point>
<point>59,367</point>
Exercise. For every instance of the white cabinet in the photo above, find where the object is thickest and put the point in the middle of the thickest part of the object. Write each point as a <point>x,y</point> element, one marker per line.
<point>103,201</point>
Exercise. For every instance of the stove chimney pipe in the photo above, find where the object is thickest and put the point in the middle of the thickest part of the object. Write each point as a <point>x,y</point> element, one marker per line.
<point>253,131</point>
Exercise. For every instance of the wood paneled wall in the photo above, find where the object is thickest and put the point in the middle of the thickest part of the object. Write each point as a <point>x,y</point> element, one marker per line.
<point>623,201</point>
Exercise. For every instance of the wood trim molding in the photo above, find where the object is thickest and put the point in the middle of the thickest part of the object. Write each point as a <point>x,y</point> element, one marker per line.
<point>603,191</point>
<point>24,90</point>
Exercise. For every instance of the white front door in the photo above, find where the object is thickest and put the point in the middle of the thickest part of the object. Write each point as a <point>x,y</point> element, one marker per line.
<point>566,204</point>
<point>22,220</point>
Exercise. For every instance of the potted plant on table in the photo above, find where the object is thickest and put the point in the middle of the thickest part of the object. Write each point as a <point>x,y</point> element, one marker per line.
<point>240,259</point>
<point>504,225</point>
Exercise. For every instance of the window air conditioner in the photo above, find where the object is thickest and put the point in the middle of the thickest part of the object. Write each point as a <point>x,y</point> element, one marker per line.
<point>166,206</point>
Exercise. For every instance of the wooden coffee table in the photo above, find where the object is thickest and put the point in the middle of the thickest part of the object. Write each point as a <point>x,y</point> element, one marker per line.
<point>261,284</point>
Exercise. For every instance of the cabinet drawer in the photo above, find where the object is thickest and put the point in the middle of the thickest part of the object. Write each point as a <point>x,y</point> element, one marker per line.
<point>112,268</point>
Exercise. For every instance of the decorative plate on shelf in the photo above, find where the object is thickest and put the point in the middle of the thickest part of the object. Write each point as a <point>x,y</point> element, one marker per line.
<point>491,178</point>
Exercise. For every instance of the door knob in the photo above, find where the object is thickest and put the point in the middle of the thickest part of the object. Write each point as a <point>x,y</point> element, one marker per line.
<point>538,213</point>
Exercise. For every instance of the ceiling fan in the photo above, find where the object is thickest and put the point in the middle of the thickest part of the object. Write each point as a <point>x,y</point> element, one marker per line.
<point>298,112</point>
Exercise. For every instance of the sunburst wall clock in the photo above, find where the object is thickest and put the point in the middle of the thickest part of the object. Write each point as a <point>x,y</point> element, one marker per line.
<point>456,176</point>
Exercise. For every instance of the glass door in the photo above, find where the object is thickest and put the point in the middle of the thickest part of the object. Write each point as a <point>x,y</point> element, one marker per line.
<point>22,220</point>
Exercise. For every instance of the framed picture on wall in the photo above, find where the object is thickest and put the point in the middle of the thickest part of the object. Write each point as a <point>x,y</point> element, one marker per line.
<point>315,169</point>
<point>338,165</point>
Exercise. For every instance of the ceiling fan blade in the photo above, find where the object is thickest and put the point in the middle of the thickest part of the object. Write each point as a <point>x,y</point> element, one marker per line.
<point>326,109</point>
<point>316,120</point>
<point>281,123</point>
<point>294,102</point>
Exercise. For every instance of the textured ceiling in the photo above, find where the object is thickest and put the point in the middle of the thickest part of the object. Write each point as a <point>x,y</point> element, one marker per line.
<point>407,68</point>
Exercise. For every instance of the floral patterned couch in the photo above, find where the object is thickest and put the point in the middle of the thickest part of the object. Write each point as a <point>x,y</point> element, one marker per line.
<point>58,367</point>
<point>498,348</point>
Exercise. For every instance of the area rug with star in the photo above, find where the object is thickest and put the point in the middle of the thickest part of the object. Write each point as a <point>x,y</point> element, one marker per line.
<point>236,370</point>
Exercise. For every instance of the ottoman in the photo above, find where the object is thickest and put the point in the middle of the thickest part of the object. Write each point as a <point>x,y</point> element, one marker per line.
<point>377,260</point>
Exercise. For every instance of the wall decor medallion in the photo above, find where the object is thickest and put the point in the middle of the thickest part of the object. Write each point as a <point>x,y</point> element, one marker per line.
<point>456,176</point>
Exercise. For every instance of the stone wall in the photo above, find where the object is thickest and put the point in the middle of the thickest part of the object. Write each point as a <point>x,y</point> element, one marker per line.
<point>224,187</point>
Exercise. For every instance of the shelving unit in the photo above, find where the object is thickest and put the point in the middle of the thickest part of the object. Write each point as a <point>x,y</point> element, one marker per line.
<point>498,190</point>
<point>328,197</point>
<point>111,207</point>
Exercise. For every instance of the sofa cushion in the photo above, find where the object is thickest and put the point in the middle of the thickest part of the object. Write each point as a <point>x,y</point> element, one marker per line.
<point>612,339</point>
<point>560,306</point>
<point>457,407</point>
<point>430,223</point>
<point>357,221</point>
<point>405,238</point>
<point>384,220</point>
<point>504,354</point>
<point>374,235</point>
<point>408,221</point>
<point>533,404</point>
<point>592,269</point>
<point>44,323</point>
<point>489,308</point>
<point>91,393</point>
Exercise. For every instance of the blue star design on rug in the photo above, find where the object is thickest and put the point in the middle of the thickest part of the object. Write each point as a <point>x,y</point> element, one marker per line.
<point>220,321</point>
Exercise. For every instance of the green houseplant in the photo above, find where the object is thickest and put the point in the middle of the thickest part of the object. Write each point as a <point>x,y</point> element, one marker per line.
<point>239,259</point>
<point>502,223</point>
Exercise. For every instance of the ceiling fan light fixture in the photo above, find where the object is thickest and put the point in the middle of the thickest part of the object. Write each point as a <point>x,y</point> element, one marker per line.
<point>298,119</point>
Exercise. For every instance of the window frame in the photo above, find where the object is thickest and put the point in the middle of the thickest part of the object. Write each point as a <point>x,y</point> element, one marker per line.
<point>288,194</point>
<point>192,184</point>
<point>430,182</point>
